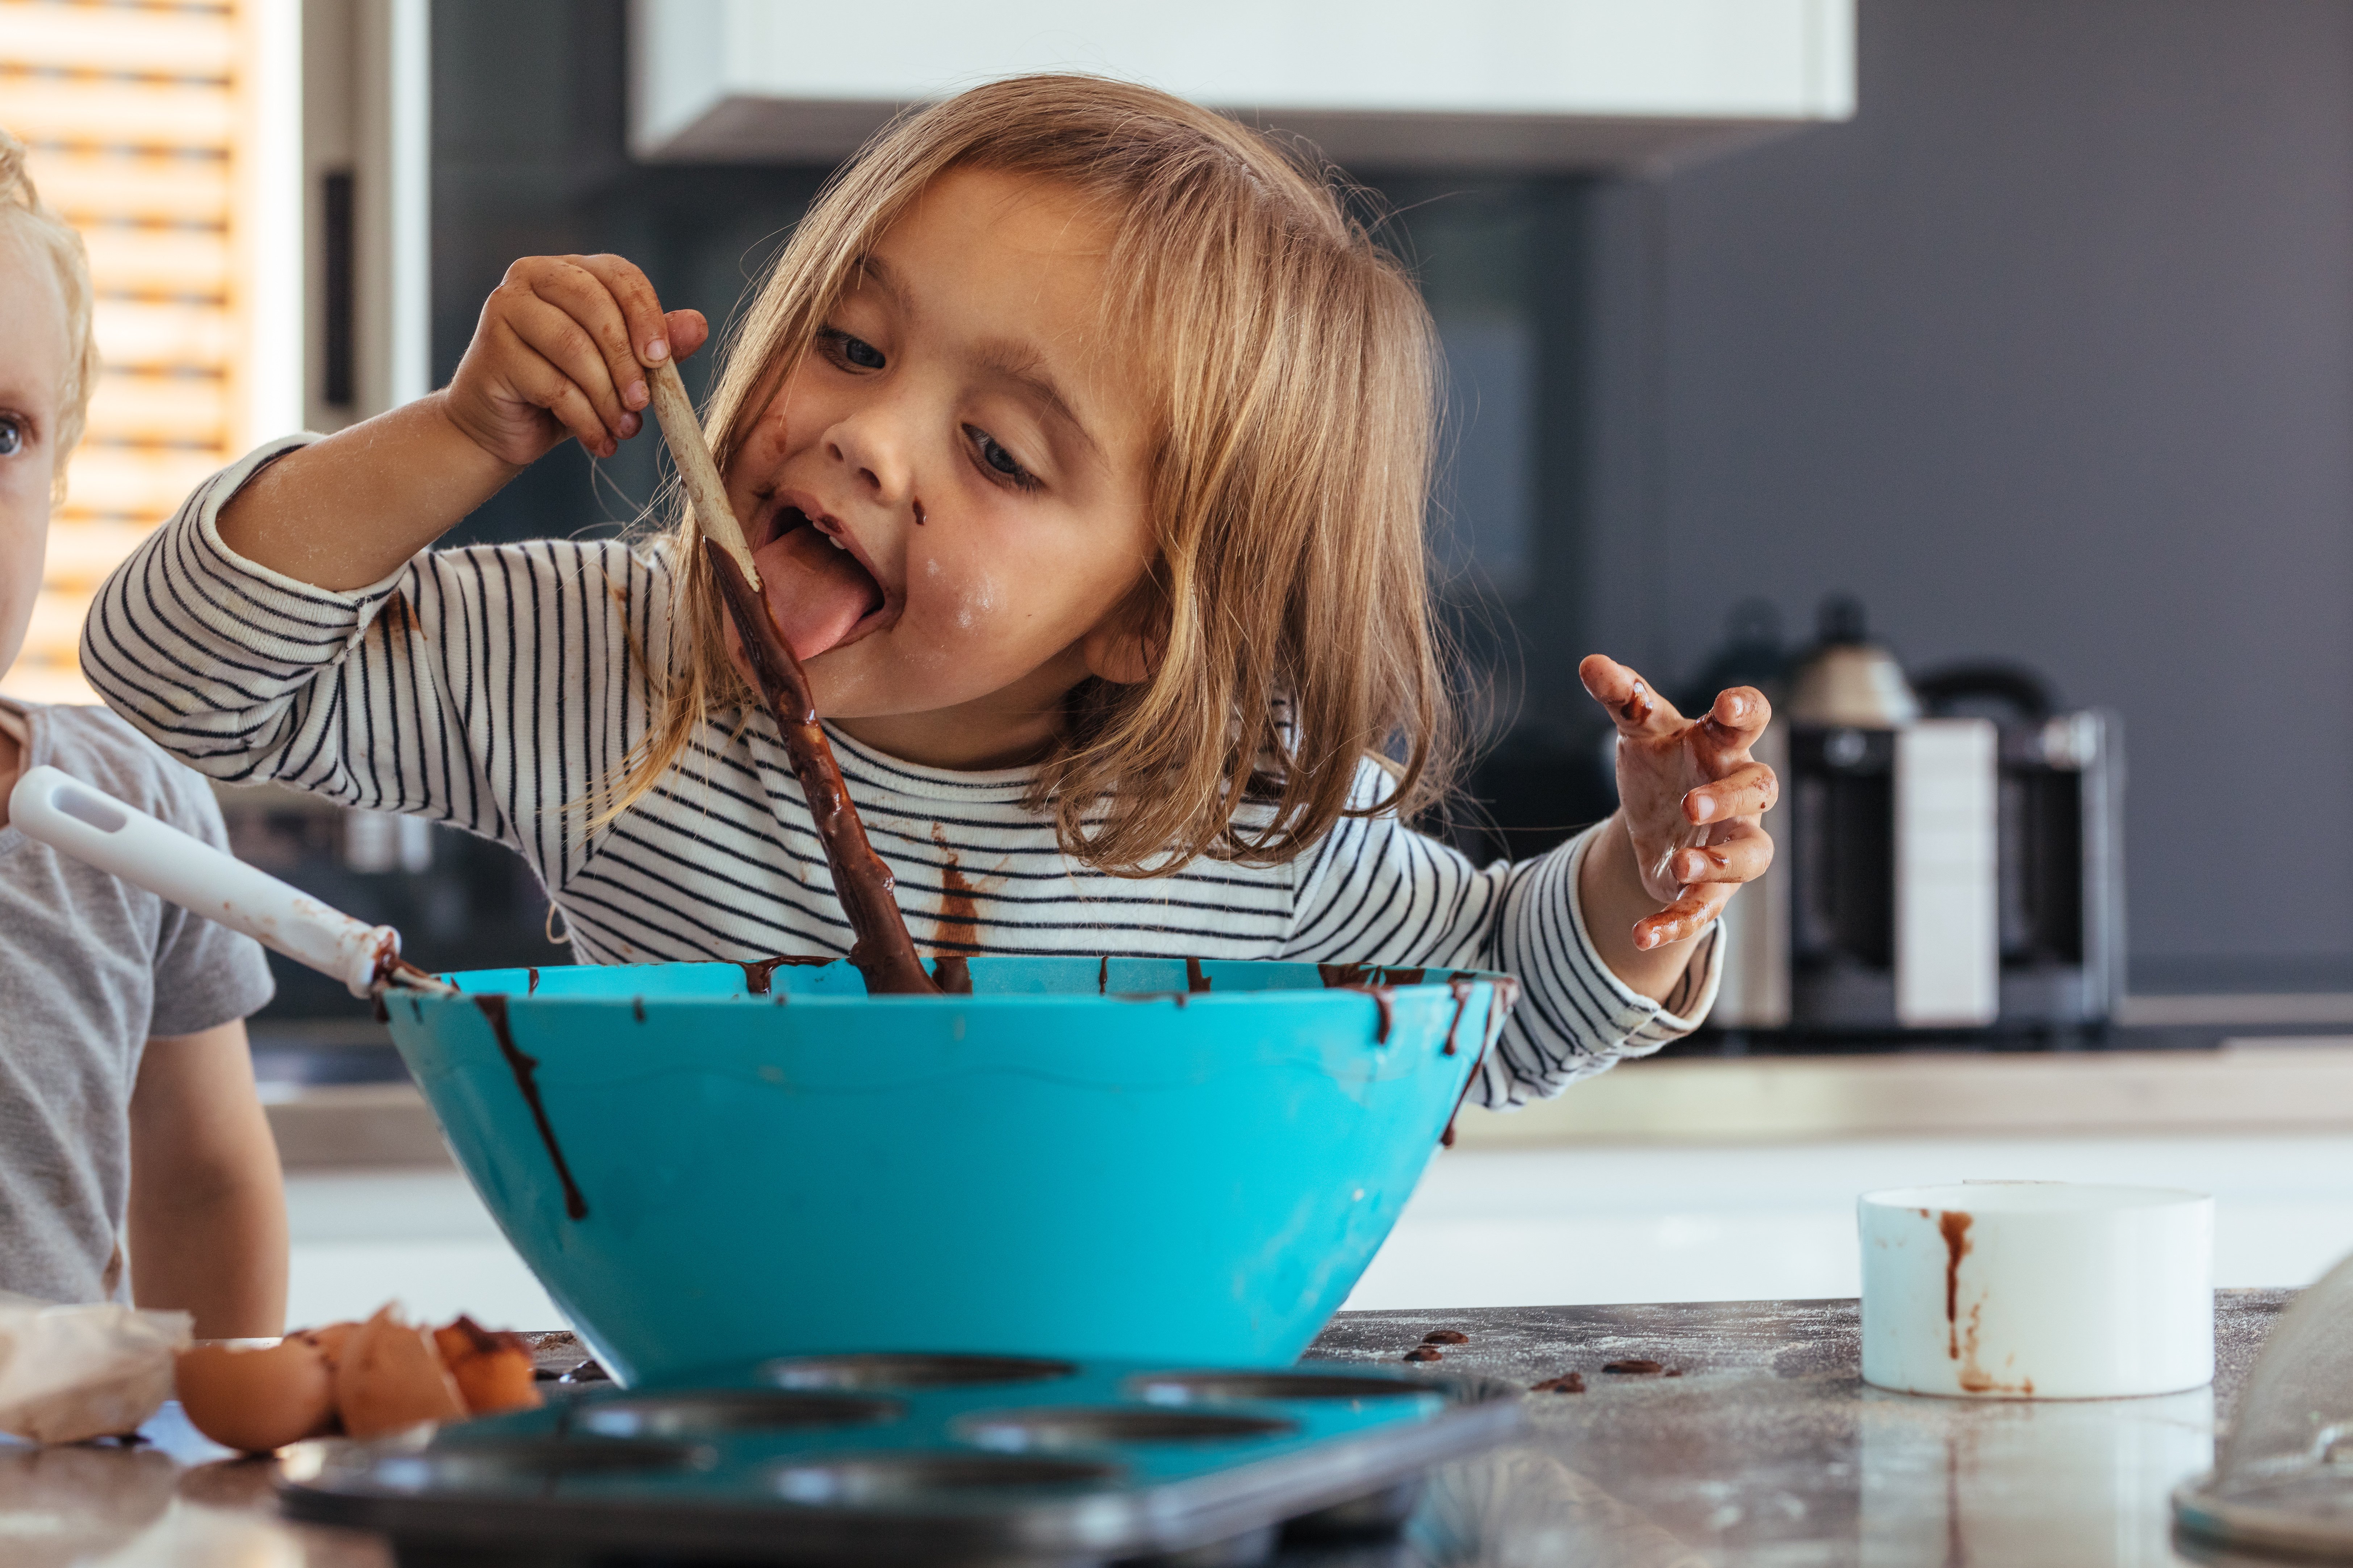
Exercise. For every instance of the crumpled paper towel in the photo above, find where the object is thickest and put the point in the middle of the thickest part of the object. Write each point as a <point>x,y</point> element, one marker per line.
<point>69,1373</point>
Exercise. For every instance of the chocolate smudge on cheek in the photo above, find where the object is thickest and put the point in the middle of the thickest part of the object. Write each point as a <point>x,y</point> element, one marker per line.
<point>880,947</point>
<point>526,1075</point>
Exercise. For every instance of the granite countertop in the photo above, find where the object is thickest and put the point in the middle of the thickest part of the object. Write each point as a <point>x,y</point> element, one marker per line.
<point>1767,1450</point>
<point>1770,1450</point>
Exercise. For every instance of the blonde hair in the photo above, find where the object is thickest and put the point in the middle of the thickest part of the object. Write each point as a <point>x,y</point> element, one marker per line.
<point>23,211</point>
<point>1289,362</point>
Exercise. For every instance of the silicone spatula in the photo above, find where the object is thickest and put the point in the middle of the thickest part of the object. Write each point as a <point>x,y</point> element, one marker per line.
<point>91,826</point>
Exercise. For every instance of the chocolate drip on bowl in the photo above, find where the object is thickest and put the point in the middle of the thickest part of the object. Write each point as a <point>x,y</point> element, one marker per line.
<point>525,1068</point>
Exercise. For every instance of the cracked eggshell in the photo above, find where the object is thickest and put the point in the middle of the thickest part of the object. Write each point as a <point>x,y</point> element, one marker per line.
<point>256,1396</point>
<point>329,1338</point>
<point>390,1375</point>
<point>493,1368</point>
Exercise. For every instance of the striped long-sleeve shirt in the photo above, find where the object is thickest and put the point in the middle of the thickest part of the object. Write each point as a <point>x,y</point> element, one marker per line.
<point>495,687</point>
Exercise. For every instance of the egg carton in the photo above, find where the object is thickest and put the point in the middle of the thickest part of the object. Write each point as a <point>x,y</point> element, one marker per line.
<point>897,1458</point>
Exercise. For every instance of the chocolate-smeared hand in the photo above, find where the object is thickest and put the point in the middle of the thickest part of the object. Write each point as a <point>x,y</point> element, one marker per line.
<point>1689,799</point>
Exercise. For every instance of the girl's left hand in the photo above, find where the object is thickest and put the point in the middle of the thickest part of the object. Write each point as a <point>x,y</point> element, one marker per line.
<point>1690,796</point>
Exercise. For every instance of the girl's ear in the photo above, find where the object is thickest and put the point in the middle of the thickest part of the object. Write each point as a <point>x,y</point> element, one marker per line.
<point>1118,649</point>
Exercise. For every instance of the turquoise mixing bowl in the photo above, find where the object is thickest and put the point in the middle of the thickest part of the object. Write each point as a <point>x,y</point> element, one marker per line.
<point>1082,1158</point>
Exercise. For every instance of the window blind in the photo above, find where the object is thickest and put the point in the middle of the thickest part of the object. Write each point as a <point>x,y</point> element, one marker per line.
<point>136,117</point>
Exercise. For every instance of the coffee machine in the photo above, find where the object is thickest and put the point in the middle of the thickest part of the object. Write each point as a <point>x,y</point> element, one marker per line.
<point>1949,853</point>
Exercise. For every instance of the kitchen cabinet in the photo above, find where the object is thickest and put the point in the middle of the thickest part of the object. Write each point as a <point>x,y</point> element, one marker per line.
<point>1503,84</point>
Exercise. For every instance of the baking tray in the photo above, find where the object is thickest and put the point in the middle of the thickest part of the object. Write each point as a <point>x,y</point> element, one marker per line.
<point>895,1457</point>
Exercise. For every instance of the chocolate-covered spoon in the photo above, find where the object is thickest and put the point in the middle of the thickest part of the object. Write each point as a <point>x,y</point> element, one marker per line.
<point>879,945</point>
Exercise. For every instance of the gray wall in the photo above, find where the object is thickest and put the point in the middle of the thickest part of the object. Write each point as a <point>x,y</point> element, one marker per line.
<point>2048,355</point>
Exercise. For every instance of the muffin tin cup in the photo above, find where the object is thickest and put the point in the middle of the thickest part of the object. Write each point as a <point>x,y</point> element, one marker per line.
<point>903,1458</point>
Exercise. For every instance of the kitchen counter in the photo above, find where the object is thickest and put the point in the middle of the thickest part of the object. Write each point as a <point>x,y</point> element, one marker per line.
<point>1770,1450</point>
<point>2242,1084</point>
<point>1766,1450</point>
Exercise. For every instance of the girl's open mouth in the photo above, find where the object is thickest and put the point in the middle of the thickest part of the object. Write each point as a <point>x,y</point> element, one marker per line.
<point>822,593</point>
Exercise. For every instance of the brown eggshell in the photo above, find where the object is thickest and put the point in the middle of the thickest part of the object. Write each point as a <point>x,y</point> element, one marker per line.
<point>502,1379</point>
<point>493,1369</point>
<point>390,1376</point>
<point>256,1397</point>
<point>329,1339</point>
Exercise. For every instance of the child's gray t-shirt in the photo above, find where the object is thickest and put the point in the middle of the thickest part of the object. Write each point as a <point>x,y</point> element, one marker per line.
<point>91,967</point>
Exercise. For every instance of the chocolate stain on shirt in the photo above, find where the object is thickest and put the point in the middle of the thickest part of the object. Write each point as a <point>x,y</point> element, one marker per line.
<point>959,921</point>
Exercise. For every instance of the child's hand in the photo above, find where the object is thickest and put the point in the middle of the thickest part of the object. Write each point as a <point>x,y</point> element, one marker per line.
<point>1690,796</point>
<point>560,350</point>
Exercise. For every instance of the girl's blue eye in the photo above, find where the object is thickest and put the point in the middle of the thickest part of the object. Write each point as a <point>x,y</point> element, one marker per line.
<point>998,459</point>
<point>12,437</point>
<point>856,352</point>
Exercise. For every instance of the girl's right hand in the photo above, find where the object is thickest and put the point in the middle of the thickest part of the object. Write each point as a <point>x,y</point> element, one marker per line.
<point>561,350</point>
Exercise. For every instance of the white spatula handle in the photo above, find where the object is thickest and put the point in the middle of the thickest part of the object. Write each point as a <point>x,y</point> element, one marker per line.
<point>73,818</point>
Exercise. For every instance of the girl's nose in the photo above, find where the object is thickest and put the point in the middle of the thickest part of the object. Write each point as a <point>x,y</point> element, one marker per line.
<point>871,453</point>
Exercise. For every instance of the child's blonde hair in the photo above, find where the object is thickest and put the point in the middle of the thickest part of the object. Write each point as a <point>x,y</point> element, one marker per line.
<point>23,211</point>
<point>1289,361</point>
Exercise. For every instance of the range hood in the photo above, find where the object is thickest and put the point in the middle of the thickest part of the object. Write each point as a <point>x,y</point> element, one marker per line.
<point>1520,85</point>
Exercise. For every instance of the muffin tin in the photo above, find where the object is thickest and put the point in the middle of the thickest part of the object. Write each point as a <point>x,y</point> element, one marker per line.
<point>901,1458</point>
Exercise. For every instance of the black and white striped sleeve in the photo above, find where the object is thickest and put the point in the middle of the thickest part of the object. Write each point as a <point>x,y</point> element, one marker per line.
<point>490,688</point>
<point>1375,891</point>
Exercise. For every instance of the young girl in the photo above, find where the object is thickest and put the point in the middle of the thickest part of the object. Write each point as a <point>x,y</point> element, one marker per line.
<point>1082,442</point>
<point>128,1118</point>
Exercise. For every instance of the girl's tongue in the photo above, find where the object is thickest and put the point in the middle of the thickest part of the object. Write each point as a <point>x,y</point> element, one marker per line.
<point>817,590</point>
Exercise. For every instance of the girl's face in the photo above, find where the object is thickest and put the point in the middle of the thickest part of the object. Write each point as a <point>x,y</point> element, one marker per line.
<point>946,499</point>
<point>33,350</point>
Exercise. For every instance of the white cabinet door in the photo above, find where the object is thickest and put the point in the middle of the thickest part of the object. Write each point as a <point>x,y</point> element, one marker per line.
<point>1501,83</point>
